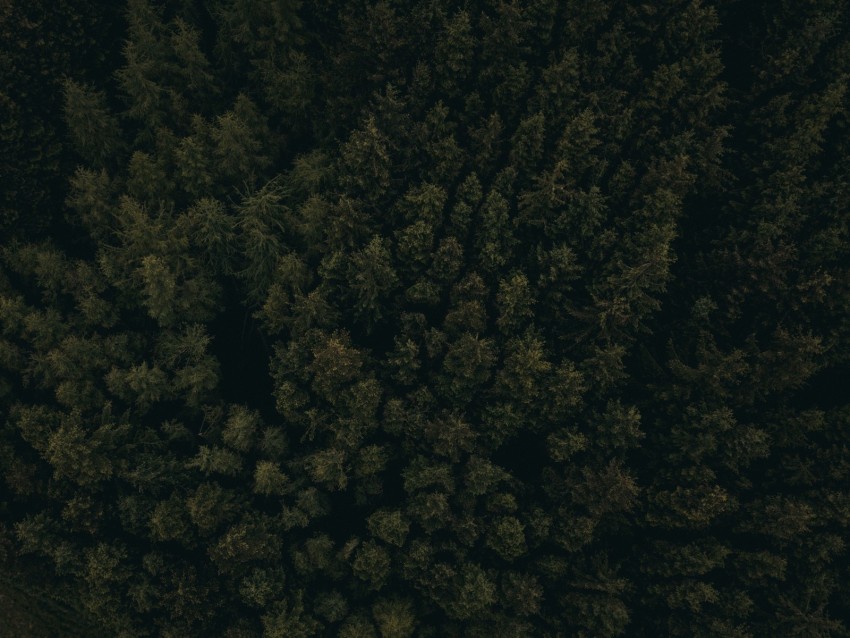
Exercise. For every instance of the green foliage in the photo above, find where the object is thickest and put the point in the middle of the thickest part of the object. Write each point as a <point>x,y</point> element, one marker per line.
<point>394,618</point>
<point>408,318</point>
<point>388,526</point>
<point>95,130</point>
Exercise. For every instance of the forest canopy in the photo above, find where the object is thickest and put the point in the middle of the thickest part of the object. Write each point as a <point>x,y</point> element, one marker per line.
<point>400,318</point>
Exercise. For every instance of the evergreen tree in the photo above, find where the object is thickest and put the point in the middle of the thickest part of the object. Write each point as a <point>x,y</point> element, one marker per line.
<point>431,319</point>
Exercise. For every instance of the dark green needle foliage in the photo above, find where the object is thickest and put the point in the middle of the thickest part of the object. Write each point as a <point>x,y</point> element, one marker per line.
<point>428,318</point>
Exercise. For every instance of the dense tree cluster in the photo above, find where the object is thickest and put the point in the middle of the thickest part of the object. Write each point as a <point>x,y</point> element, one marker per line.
<point>429,318</point>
